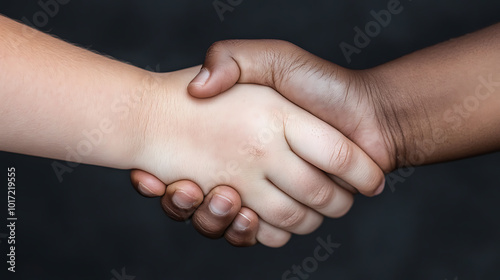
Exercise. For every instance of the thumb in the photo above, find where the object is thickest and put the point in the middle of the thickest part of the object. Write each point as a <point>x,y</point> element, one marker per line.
<point>219,73</point>
<point>229,62</point>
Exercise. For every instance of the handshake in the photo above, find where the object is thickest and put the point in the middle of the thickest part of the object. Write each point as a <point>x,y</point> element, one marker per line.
<point>292,166</point>
<point>266,139</point>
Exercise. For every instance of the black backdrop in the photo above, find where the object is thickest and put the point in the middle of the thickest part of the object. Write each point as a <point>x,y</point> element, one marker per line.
<point>442,222</point>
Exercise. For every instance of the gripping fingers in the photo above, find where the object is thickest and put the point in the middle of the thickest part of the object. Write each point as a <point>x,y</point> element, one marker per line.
<point>310,186</point>
<point>279,209</point>
<point>181,200</point>
<point>217,212</point>
<point>147,184</point>
<point>329,150</point>
<point>272,236</point>
<point>243,230</point>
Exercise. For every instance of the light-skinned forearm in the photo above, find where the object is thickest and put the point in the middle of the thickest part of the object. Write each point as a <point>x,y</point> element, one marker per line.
<point>65,102</point>
<point>443,102</point>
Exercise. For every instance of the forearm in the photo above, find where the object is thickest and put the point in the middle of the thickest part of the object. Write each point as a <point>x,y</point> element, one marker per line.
<point>64,102</point>
<point>443,102</point>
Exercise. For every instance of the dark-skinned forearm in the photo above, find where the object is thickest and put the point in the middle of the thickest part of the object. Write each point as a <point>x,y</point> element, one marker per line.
<point>443,102</point>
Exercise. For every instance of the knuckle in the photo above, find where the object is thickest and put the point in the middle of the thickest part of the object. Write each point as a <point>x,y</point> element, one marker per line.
<point>214,49</point>
<point>340,157</point>
<point>291,217</point>
<point>282,66</point>
<point>271,236</point>
<point>343,210</point>
<point>221,46</point>
<point>278,241</point>
<point>312,227</point>
<point>274,74</point>
<point>321,196</point>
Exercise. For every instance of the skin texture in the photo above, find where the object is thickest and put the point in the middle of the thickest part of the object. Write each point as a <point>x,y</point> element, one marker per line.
<point>434,105</point>
<point>63,102</point>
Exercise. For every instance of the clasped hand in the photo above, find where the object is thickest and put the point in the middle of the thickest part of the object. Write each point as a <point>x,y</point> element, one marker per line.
<point>289,167</point>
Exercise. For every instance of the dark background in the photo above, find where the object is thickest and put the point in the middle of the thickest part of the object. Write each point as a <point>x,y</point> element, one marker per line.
<point>442,222</point>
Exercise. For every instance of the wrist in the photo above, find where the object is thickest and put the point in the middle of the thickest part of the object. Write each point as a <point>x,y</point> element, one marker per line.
<point>131,116</point>
<point>397,114</point>
<point>160,119</point>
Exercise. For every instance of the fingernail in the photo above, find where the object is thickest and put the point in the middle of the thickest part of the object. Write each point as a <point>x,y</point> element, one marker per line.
<point>201,78</point>
<point>220,205</point>
<point>380,189</point>
<point>144,190</point>
<point>183,200</point>
<point>241,222</point>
